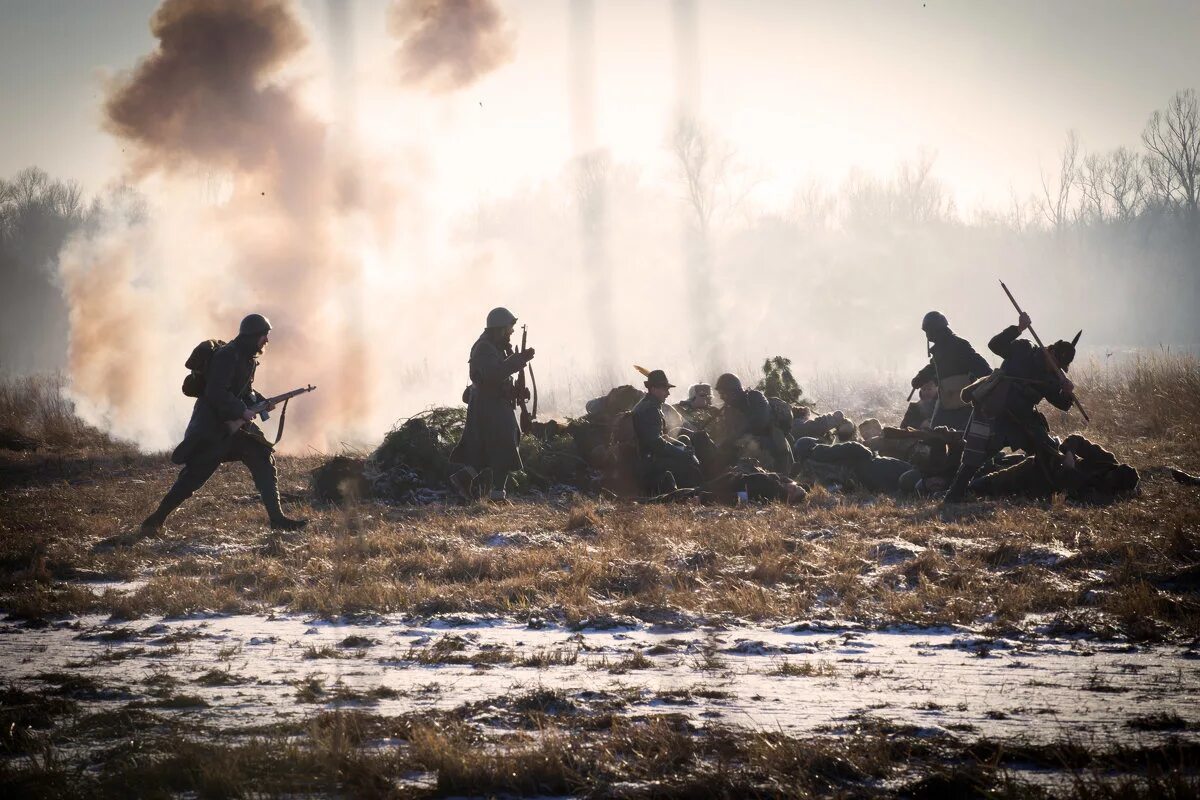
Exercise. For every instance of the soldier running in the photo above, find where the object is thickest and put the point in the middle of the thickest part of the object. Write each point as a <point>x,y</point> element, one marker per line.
<point>488,449</point>
<point>228,395</point>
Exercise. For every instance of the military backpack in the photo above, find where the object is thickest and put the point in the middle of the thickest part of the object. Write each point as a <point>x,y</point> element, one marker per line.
<point>197,362</point>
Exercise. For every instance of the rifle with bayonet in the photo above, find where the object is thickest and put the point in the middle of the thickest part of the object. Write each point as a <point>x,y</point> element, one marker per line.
<point>1050,360</point>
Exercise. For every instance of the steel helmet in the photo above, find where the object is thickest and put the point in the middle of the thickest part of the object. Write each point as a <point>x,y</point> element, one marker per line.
<point>729,383</point>
<point>500,318</point>
<point>934,321</point>
<point>254,325</point>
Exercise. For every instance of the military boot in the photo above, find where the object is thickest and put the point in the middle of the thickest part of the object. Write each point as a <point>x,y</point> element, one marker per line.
<point>279,521</point>
<point>153,524</point>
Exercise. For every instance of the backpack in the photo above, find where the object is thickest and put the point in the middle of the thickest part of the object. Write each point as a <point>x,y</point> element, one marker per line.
<point>197,362</point>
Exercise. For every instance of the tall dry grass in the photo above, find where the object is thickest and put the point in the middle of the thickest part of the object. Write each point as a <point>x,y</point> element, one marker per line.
<point>38,406</point>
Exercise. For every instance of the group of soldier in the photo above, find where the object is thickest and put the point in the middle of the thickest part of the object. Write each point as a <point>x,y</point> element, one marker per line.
<point>951,441</point>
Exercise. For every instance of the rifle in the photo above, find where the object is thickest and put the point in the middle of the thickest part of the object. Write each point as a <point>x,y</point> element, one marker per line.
<point>947,436</point>
<point>522,391</point>
<point>260,409</point>
<point>1050,361</point>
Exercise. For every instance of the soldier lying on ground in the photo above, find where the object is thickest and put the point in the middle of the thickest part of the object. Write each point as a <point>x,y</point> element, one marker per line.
<point>1005,404</point>
<point>488,450</point>
<point>851,464</point>
<point>834,426</point>
<point>745,482</point>
<point>1086,473</point>
<point>747,429</point>
<point>227,396</point>
<point>953,364</point>
<point>664,463</point>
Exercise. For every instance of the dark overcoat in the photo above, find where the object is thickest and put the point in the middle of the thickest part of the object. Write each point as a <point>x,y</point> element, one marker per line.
<point>491,435</point>
<point>228,392</point>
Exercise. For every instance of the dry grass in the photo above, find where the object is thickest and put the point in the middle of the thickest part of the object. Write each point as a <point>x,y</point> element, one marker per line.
<point>583,562</point>
<point>543,744</point>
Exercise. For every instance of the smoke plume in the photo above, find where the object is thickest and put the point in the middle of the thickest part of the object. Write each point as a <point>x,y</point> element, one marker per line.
<point>449,44</point>
<point>211,104</point>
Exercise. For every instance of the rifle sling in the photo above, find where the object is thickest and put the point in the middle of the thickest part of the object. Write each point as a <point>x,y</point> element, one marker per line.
<point>282,419</point>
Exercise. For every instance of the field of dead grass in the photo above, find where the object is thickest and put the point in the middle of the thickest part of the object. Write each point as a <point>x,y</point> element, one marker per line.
<point>1128,571</point>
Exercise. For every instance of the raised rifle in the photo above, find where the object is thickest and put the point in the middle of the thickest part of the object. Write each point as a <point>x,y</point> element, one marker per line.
<point>522,390</point>
<point>260,410</point>
<point>1050,361</point>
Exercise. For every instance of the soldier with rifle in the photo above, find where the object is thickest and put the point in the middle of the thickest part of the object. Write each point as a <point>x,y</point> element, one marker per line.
<point>222,426</point>
<point>488,450</point>
<point>1005,404</point>
<point>953,363</point>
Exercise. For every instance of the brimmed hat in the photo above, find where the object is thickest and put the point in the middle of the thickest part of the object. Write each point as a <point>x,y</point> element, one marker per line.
<point>657,379</point>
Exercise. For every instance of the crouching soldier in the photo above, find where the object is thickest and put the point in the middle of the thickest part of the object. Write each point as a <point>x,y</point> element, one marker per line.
<point>227,397</point>
<point>1005,405</point>
<point>747,428</point>
<point>488,450</point>
<point>664,463</point>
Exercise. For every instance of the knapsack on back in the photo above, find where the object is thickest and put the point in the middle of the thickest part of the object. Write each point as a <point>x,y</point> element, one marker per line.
<point>197,362</point>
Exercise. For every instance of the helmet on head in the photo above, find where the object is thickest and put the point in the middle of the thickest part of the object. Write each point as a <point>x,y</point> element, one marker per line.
<point>254,325</point>
<point>1064,351</point>
<point>500,318</point>
<point>729,383</point>
<point>934,322</point>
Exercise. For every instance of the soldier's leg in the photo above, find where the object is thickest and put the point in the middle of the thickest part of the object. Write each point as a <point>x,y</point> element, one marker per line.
<point>194,475</point>
<point>260,460</point>
<point>978,445</point>
<point>499,490</point>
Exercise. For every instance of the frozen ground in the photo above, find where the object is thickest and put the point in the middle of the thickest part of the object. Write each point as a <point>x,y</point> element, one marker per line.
<point>797,678</point>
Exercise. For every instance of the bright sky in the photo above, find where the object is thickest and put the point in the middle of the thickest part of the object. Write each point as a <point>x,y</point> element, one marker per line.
<point>800,88</point>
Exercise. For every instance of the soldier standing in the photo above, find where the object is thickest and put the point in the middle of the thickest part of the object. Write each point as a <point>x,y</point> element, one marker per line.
<point>228,395</point>
<point>1007,415</point>
<point>664,464</point>
<point>490,440</point>
<point>953,363</point>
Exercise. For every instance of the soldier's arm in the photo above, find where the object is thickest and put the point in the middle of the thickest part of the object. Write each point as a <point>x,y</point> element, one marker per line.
<point>217,392</point>
<point>491,367</point>
<point>647,426</point>
<point>928,373</point>
<point>978,365</point>
<point>1002,343</point>
<point>1055,395</point>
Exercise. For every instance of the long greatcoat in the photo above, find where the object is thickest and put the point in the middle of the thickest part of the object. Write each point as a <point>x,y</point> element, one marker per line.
<point>228,392</point>
<point>491,435</point>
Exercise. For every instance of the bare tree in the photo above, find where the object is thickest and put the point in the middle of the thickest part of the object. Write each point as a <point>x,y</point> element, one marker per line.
<point>1172,139</point>
<point>920,197</point>
<point>1125,186</point>
<point>1056,196</point>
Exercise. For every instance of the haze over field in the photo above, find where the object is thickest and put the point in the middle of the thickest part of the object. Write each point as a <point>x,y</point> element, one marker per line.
<point>689,185</point>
